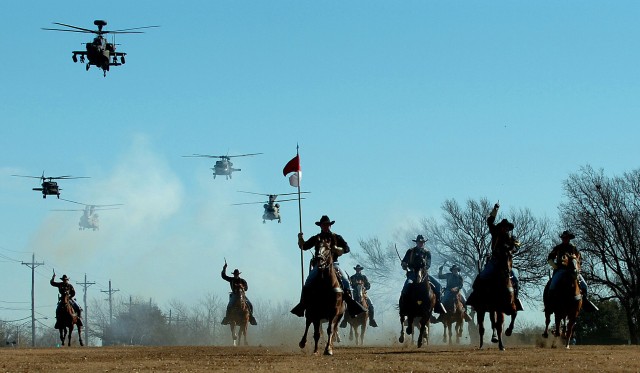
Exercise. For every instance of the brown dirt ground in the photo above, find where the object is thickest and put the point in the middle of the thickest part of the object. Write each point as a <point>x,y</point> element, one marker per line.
<point>345,359</point>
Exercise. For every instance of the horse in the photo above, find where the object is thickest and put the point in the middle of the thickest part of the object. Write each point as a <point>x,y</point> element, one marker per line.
<point>497,298</point>
<point>323,298</point>
<point>417,303</point>
<point>455,315</point>
<point>566,301</point>
<point>360,296</point>
<point>66,318</point>
<point>238,316</point>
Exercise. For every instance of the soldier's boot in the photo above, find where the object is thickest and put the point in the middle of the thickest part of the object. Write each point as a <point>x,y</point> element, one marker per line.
<point>354,308</point>
<point>518,304</point>
<point>472,299</point>
<point>225,320</point>
<point>298,310</point>
<point>252,320</point>
<point>439,307</point>
<point>372,321</point>
<point>344,322</point>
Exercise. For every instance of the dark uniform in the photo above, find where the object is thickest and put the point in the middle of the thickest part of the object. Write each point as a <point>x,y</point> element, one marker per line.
<point>361,278</point>
<point>454,285</point>
<point>336,241</point>
<point>559,258</point>
<point>502,245</point>
<point>236,284</point>
<point>63,288</point>
<point>418,258</point>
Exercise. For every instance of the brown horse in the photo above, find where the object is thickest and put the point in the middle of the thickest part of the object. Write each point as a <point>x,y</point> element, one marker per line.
<point>417,303</point>
<point>323,298</point>
<point>238,316</point>
<point>359,321</point>
<point>496,297</point>
<point>455,315</point>
<point>66,318</point>
<point>565,301</point>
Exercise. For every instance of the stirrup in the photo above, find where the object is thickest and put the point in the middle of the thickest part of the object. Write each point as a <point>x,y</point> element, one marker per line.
<point>373,323</point>
<point>298,310</point>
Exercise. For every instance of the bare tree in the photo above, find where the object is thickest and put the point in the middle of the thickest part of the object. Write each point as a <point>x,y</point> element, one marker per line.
<point>604,212</point>
<point>463,238</point>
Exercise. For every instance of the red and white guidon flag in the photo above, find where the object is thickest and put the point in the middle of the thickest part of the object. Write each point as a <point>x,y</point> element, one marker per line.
<point>293,166</point>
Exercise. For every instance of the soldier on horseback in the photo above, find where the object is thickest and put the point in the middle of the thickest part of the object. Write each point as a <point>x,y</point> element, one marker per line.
<point>339,247</point>
<point>237,283</point>
<point>559,259</point>
<point>418,258</point>
<point>359,277</point>
<point>454,286</point>
<point>65,287</point>
<point>502,245</point>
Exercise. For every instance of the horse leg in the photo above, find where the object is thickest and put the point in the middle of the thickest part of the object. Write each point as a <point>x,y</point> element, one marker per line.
<point>351,327</point>
<point>234,337</point>
<point>316,335</point>
<point>401,339</point>
<point>363,328</point>
<point>570,324</point>
<point>444,330</point>
<point>480,319</point>
<point>303,341</point>
<point>80,335</point>
<point>499,326</point>
<point>331,330</point>
<point>492,318</point>
<point>243,332</point>
<point>423,331</point>
<point>459,324</point>
<point>509,330</point>
<point>547,321</point>
<point>69,335</point>
<point>62,335</point>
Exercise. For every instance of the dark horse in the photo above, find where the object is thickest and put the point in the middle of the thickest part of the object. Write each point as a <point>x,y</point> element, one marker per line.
<point>323,297</point>
<point>66,318</point>
<point>238,316</point>
<point>455,315</point>
<point>360,320</point>
<point>565,302</point>
<point>496,296</point>
<point>417,303</point>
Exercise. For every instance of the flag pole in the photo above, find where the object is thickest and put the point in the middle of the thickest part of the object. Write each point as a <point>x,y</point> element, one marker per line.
<point>300,219</point>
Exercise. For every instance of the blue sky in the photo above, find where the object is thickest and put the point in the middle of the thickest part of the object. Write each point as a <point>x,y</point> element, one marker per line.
<point>396,107</point>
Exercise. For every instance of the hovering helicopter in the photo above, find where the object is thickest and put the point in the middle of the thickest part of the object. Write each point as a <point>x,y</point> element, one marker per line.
<point>50,187</point>
<point>224,166</point>
<point>90,219</point>
<point>271,207</point>
<point>100,53</point>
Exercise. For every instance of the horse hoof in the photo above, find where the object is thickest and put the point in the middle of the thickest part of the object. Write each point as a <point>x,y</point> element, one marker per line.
<point>328,352</point>
<point>302,344</point>
<point>545,335</point>
<point>401,339</point>
<point>501,348</point>
<point>494,340</point>
<point>508,332</point>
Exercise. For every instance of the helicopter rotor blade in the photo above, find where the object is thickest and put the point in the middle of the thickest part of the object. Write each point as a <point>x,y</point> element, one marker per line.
<point>132,28</point>
<point>57,29</point>
<point>77,203</point>
<point>68,177</point>
<point>204,156</point>
<point>75,27</point>
<point>248,203</point>
<point>32,177</point>
<point>290,194</point>
<point>67,210</point>
<point>260,194</point>
<point>285,200</point>
<point>242,155</point>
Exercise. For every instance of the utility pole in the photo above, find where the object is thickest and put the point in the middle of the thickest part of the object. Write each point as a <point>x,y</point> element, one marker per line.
<point>110,291</point>
<point>33,266</point>
<point>86,313</point>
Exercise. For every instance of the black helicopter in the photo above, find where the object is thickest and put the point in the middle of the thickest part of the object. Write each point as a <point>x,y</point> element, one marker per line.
<point>90,219</point>
<point>271,207</point>
<point>50,187</point>
<point>224,166</point>
<point>100,53</point>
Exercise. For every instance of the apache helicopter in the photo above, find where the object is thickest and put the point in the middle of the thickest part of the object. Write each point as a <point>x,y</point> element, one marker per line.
<point>100,53</point>
<point>224,165</point>
<point>90,219</point>
<point>50,187</point>
<point>271,207</point>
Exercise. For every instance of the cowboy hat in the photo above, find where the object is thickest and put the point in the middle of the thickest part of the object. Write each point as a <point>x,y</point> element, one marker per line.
<point>506,223</point>
<point>325,220</point>
<point>358,267</point>
<point>236,271</point>
<point>420,238</point>
<point>64,277</point>
<point>455,266</point>
<point>567,234</point>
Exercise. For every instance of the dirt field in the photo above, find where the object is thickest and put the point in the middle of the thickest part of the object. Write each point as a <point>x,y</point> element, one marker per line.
<point>346,359</point>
